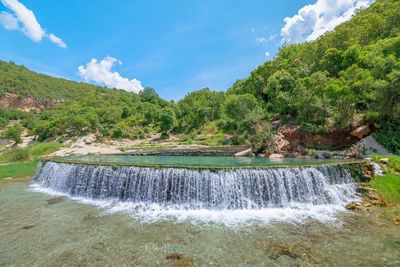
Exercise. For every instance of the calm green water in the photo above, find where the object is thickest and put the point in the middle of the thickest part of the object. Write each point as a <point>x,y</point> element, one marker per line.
<point>196,161</point>
<point>42,230</point>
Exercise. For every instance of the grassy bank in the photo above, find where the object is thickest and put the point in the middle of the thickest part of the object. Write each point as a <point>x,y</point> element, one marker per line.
<point>18,170</point>
<point>30,153</point>
<point>388,185</point>
<point>22,162</point>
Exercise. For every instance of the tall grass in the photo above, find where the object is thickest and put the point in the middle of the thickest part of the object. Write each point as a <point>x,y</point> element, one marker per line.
<point>33,152</point>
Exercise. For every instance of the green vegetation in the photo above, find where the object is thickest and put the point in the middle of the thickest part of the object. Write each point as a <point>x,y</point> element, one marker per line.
<point>13,132</point>
<point>389,185</point>
<point>6,115</point>
<point>30,153</point>
<point>23,82</point>
<point>347,77</point>
<point>23,162</point>
<point>17,170</point>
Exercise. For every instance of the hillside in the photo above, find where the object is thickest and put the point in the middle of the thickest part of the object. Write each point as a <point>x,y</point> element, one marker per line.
<point>21,81</point>
<point>348,78</point>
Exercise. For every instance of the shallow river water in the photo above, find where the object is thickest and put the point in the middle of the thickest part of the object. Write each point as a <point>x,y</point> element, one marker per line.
<point>37,229</point>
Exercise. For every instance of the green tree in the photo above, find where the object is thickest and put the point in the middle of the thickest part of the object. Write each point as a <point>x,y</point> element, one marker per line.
<point>166,119</point>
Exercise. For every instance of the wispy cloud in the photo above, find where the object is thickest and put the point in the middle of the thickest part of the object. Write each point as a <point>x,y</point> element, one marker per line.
<point>101,73</point>
<point>8,21</point>
<point>266,40</point>
<point>57,41</point>
<point>23,19</point>
<point>313,20</point>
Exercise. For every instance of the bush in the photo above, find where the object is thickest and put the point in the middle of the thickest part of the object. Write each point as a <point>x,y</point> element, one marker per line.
<point>164,136</point>
<point>14,133</point>
<point>390,139</point>
<point>19,154</point>
<point>119,133</point>
<point>3,121</point>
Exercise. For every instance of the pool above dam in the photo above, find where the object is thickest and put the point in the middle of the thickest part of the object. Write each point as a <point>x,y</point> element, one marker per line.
<point>201,162</point>
<point>213,189</point>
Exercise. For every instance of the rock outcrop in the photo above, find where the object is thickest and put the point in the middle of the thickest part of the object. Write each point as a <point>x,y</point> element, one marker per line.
<point>27,103</point>
<point>361,131</point>
<point>291,140</point>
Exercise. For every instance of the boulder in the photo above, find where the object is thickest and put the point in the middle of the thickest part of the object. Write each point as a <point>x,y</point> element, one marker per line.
<point>245,153</point>
<point>88,141</point>
<point>355,206</point>
<point>276,156</point>
<point>365,178</point>
<point>384,161</point>
<point>361,131</point>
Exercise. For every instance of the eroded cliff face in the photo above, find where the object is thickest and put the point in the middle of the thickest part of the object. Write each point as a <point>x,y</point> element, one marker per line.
<point>27,103</point>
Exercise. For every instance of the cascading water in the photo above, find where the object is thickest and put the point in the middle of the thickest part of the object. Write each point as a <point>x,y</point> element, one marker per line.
<point>207,195</point>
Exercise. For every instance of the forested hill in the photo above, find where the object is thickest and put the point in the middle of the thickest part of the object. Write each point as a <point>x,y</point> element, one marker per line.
<point>21,81</point>
<point>346,78</point>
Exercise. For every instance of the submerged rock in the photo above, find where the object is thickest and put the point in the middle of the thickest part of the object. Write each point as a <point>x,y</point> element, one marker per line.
<point>54,200</point>
<point>28,227</point>
<point>180,259</point>
<point>174,256</point>
<point>99,245</point>
<point>280,250</point>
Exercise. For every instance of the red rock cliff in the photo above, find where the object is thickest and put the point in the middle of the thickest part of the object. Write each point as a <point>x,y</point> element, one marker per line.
<point>27,103</point>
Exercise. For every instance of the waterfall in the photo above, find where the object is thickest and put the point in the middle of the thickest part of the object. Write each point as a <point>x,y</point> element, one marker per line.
<point>187,190</point>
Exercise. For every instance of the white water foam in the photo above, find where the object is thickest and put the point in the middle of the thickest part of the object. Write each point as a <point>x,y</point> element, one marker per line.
<point>377,169</point>
<point>296,213</point>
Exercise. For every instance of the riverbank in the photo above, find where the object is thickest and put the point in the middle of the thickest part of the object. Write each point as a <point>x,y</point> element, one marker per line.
<point>18,170</point>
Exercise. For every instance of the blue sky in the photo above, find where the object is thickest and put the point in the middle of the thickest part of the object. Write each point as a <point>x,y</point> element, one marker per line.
<point>173,46</point>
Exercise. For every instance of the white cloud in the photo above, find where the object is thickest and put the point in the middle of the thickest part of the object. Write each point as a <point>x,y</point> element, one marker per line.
<point>24,19</point>
<point>100,72</point>
<point>9,21</point>
<point>57,41</point>
<point>313,20</point>
<point>267,54</point>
